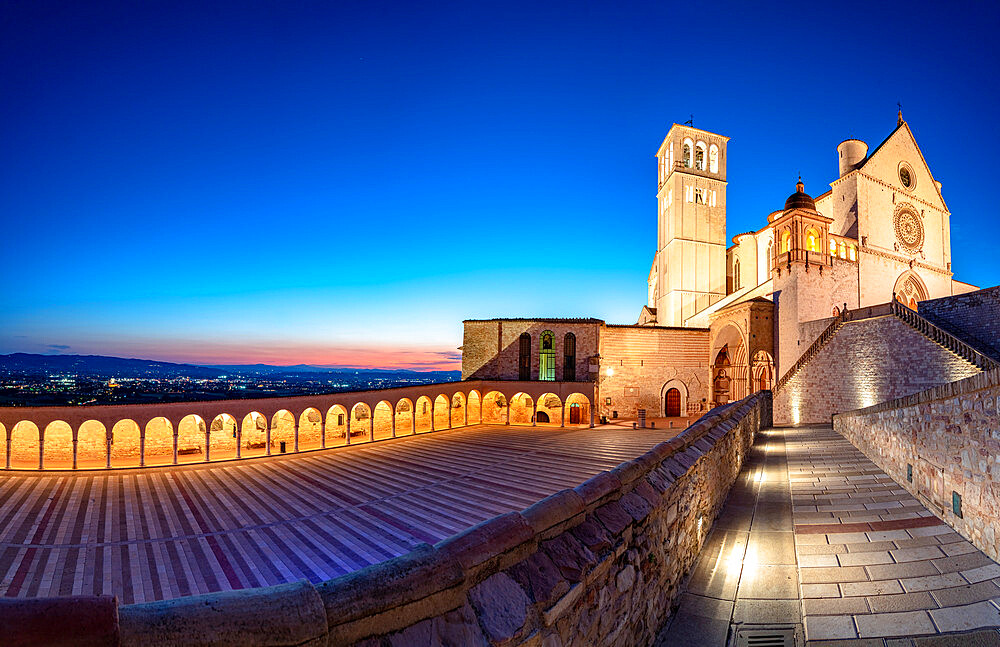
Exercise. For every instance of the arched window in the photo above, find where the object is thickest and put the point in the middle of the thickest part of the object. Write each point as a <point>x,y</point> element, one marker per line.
<point>699,157</point>
<point>770,255</point>
<point>687,155</point>
<point>736,274</point>
<point>812,240</point>
<point>843,250</point>
<point>547,357</point>
<point>524,357</point>
<point>786,241</point>
<point>713,158</point>
<point>852,253</point>
<point>833,247</point>
<point>569,357</point>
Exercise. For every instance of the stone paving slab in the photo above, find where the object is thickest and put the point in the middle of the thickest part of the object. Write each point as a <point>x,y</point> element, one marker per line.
<point>821,537</point>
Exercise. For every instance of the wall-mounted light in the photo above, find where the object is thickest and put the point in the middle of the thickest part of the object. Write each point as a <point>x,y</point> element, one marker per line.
<point>611,371</point>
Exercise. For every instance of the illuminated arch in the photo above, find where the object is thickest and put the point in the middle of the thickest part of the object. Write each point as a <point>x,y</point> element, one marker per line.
<point>25,445</point>
<point>474,408</point>
<point>382,421</point>
<point>192,439</point>
<point>361,419</point>
<point>909,289</point>
<point>423,412</point>
<point>125,443</point>
<point>549,410</point>
<point>92,445</point>
<point>521,409</point>
<point>58,446</point>
<point>404,417</point>
<point>578,409</point>
<point>310,429</point>
<point>282,431</point>
<point>222,437</point>
<point>253,434</point>
<point>336,426</point>
<point>495,408</point>
<point>158,442</point>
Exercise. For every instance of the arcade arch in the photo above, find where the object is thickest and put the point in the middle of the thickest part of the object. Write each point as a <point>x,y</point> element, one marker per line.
<point>909,289</point>
<point>253,434</point>
<point>404,417</point>
<point>495,409</point>
<point>335,433</point>
<point>158,444</point>
<point>92,445</point>
<point>361,427</point>
<point>382,420</point>
<point>57,446</point>
<point>674,399</point>
<point>125,444</point>
<point>223,438</point>
<point>191,440</point>
<point>310,430</point>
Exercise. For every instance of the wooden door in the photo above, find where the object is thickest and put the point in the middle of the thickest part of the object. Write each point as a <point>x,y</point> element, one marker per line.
<point>673,403</point>
<point>574,415</point>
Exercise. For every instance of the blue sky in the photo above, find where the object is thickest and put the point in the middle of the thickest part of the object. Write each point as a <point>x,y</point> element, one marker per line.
<point>343,183</point>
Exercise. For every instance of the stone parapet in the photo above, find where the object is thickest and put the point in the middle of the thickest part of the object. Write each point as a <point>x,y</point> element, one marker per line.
<point>939,443</point>
<point>597,564</point>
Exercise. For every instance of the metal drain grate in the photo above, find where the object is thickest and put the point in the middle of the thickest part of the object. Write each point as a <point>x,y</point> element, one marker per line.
<point>765,637</point>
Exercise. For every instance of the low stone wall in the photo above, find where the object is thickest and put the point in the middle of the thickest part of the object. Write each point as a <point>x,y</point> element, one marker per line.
<point>599,564</point>
<point>950,435</point>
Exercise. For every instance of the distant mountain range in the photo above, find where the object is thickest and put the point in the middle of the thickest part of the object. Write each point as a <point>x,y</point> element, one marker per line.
<point>101,365</point>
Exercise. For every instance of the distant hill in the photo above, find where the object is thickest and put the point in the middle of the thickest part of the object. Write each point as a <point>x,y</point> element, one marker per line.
<point>101,365</point>
<point>30,363</point>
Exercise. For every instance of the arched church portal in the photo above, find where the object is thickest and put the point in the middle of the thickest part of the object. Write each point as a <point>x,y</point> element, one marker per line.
<point>909,289</point>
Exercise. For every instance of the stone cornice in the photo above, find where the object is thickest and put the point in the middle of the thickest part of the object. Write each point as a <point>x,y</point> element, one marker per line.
<point>913,262</point>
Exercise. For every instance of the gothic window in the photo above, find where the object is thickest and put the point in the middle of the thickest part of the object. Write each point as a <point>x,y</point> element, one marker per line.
<point>833,247</point>
<point>524,357</point>
<point>547,357</point>
<point>699,196</point>
<point>852,253</point>
<point>770,255</point>
<point>699,157</point>
<point>569,357</point>
<point>687,155</point>
<point>786,241</point>
<point>713,158</point>
<point>843,250</point>
<point>736,274</point>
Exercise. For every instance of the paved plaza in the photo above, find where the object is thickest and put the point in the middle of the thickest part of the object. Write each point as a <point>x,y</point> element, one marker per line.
<point>168,532</point>
<point>815,534</point>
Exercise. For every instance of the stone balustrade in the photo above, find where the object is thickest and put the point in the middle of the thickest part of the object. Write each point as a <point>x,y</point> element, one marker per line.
<point>943,445</point>
<point>597,564</point>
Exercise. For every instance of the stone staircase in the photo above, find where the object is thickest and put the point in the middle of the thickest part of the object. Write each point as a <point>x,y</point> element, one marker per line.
<point>934,333</point>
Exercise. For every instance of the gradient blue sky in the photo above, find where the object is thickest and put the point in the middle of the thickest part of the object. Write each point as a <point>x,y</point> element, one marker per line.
<point>344,182</point>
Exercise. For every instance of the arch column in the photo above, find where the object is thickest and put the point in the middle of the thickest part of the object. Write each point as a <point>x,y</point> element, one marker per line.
<point>592,416</point>
<point>267,439</point>
<point>296,436</point>
<point>413,420</point>
<point>393,424</point>
<point>322,431</point>
<point>534,410</point>
<point>41,449</point>
<point>208,441</point>
<point>108,441</point>
<point>465,412</point>
<point>349,413</point>
<point>239,437</point>
<point>562,416</point>
<point>7,466</point>
<point>450,403</point>
<point>142,443</point>
<point>507,421</point>
<point>75,441</point>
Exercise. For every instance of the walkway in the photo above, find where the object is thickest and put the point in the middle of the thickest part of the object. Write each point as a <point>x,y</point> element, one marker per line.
<point>163,533</point>
<point>816,537</point>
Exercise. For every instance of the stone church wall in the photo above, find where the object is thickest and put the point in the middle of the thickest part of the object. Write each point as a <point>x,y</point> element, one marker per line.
<point>866,362</point>
<point>973,317</point>
<point>490,348</point>
<point>949,435</point>
<point>637,362</point>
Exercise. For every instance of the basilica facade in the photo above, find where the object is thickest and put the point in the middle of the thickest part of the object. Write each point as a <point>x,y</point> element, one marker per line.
<point>725,320</point>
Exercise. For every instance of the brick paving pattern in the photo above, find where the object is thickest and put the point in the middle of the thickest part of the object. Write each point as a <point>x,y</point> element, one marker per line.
<point>163,533</point>
<point>814,534</point>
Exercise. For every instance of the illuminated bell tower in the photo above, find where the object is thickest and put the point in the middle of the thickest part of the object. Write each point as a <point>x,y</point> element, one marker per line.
<point>689,273</point>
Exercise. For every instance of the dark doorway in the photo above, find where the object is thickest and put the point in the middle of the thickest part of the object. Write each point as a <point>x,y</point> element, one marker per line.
<point>541,416</point>
<point>524,357</point>
<point>672,407</point>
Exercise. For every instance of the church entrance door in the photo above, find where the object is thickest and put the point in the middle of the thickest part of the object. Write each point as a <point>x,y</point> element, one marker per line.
<point>672,406</point>
<point>574,414</point>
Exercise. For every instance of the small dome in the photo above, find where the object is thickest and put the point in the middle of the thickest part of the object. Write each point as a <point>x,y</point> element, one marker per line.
<point>800,199</point>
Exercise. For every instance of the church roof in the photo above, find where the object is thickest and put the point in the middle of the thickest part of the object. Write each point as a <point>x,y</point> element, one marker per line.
<point>579,320</point>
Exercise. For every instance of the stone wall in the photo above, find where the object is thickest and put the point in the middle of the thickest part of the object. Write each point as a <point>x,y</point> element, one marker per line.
<point>490,348</point>
<point>950,435</point>
<point>867,361</point>
<point>600,564</point>
<point>639,363</point>
<point>973,317</point>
